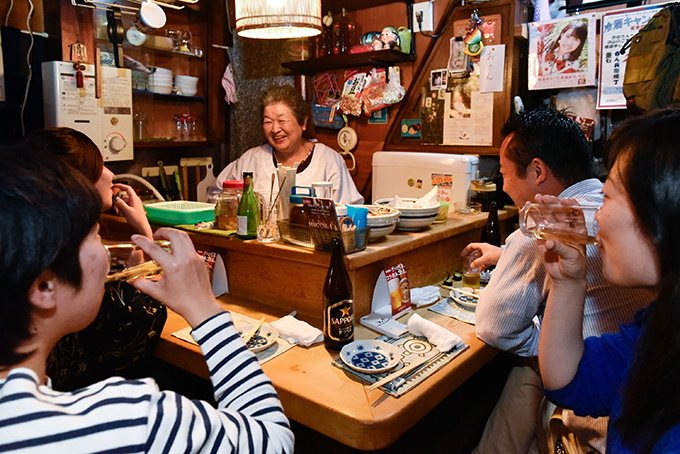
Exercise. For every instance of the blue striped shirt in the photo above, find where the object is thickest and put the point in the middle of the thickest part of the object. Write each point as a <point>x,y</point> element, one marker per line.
<point>134,416</point>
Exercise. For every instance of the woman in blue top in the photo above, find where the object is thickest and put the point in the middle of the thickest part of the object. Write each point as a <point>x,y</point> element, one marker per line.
<point>632,375</point>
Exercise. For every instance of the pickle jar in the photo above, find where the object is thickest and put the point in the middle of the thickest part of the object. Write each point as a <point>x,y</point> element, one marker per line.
<point>227,205</point>
<point>298,212</point>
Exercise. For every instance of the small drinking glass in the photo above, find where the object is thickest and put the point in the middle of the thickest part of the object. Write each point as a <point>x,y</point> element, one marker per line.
<point>466,208</point>
<point>323,189</point>
<point>128,262</point>
<point>472,276</point>
<point>267,229</point>
<point>564,223</point>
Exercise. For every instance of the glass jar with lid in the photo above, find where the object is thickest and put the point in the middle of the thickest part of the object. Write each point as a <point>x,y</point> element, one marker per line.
<point>227,205</point>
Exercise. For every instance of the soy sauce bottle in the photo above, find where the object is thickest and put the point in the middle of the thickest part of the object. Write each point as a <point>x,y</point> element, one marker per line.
<point>338,301</point>
<point>491,233</point>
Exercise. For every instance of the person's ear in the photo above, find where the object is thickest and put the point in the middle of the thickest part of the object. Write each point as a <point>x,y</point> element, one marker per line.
<point>539,171</point>
<point>42,293</point>
<point>304,123</point>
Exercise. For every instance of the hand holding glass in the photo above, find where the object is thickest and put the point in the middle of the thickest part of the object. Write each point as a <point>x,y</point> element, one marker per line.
<point>128,262</point>
<point>559,222</point>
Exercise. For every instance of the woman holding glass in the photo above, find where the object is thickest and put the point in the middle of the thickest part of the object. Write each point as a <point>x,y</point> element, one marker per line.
<point>632,375</point>
<point>284,122</point>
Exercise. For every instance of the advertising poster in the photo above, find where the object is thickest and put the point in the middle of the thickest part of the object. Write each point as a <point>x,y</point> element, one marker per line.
<point>468,114</point>
<point>562,52</point>
<point>616,28</point>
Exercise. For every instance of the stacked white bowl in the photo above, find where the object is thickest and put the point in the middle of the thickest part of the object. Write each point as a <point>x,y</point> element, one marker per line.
<point>413,217</point>
<point>186,85</point>
<point>160,81</point>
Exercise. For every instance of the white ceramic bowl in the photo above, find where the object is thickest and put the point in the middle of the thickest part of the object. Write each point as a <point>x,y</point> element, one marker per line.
<point>160,89</point>
<point>382,220</point>
<point>413,218</point>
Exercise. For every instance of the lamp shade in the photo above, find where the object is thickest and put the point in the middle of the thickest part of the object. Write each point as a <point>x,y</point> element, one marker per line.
<point>275,19</point>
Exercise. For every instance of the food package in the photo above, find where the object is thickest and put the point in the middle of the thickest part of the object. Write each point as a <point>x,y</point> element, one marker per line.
<point>352,100</point>
<point>380,93</point>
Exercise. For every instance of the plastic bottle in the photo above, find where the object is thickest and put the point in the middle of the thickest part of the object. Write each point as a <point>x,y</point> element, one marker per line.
<point>248,210</point>
<point>338,301</point>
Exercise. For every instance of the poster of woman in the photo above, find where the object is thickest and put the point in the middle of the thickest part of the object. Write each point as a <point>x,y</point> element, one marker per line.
<point>562,53</point>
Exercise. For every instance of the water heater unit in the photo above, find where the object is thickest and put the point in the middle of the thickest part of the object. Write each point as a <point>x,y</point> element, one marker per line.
<point>106,120</point>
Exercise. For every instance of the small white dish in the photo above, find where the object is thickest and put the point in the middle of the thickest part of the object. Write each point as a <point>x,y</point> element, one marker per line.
<point>463,299</point>
<point>265,337</point>
<point>370,356</point>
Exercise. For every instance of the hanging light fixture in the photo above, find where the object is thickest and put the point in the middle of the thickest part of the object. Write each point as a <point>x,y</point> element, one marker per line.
<point>274,19</point>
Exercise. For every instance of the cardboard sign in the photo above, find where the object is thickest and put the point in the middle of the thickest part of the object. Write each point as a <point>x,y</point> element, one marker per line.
<point>391,300</point>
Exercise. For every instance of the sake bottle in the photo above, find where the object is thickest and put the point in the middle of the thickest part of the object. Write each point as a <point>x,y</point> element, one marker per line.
<point>248,213</point>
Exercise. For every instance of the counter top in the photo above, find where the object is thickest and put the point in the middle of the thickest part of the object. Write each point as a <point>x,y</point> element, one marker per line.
<point>286,276</point>
<point>327,399</point>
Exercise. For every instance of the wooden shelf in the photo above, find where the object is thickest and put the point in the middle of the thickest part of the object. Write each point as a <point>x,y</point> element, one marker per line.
<point>335,6</point>
<point>173,97</point>
<point>172,143</point>
<point>381,58</point>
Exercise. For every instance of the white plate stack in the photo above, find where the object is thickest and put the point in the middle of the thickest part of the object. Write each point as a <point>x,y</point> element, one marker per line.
<point>186,85</point>
<point>160,81</point>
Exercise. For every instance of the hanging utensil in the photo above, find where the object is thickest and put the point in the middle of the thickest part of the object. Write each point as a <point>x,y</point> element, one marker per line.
<point>116,32</point>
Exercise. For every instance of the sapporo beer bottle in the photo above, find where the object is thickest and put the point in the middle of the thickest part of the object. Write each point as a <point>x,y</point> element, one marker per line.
<point>248,211</point>
<point>338,302</point>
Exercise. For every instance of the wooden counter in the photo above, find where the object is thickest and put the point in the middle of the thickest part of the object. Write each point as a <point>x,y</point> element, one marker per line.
<point>286,276</point>
<point>330,401</point>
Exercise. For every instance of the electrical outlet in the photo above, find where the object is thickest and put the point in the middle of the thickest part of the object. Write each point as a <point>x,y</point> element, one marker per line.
<point>424,9</point>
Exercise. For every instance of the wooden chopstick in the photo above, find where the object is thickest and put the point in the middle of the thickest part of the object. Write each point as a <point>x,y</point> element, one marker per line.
<point>398,373</point>
<point>466,293</point>
<point>252,332</point>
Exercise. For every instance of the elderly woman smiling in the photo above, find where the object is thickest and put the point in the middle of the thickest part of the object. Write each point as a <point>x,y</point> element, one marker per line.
<point>284,122</point>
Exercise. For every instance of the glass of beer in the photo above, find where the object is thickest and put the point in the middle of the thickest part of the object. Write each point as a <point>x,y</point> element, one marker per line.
<point>128,262</point>
<point>564,223</point>
<point>471,276</point>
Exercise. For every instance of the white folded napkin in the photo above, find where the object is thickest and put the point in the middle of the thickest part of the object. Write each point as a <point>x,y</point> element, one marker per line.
<point>428,200</point>
<point>422,296</point>
<point>441,337</point>
<point>296,331</point>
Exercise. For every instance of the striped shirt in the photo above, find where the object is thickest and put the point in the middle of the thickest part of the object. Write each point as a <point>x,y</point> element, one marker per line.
<point>510,308</point>
<point>134,416</point>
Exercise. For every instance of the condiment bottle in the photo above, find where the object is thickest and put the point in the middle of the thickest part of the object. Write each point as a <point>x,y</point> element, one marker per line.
<point>298,212</point>
<point>248,210</point>
<point>338,301</point>
<point>226,208</point>
<point>491,233</point>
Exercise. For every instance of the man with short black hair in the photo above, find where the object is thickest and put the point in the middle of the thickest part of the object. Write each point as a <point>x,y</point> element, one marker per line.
<point>543,152</point>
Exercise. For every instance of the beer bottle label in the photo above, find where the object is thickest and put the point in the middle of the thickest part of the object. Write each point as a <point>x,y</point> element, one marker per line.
<point>340,320</point>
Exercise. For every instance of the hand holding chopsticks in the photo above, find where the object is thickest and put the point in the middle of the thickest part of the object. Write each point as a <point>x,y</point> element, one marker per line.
<point>398,373</point>
<point>252,332</point>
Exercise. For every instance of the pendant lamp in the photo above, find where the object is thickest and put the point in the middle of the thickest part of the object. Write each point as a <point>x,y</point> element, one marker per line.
<point>275,19</point>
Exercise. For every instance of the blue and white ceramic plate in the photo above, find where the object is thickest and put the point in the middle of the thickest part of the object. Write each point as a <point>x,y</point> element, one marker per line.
<point>370,356</point>
<point>265,337</point>
<point>462,299</point>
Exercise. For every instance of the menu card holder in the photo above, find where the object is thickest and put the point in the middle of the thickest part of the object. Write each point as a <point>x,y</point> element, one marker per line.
<point>391,300</point>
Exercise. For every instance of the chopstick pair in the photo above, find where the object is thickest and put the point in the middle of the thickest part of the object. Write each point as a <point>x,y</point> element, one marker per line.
<point>398,373</point>
<point>252,332</point>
